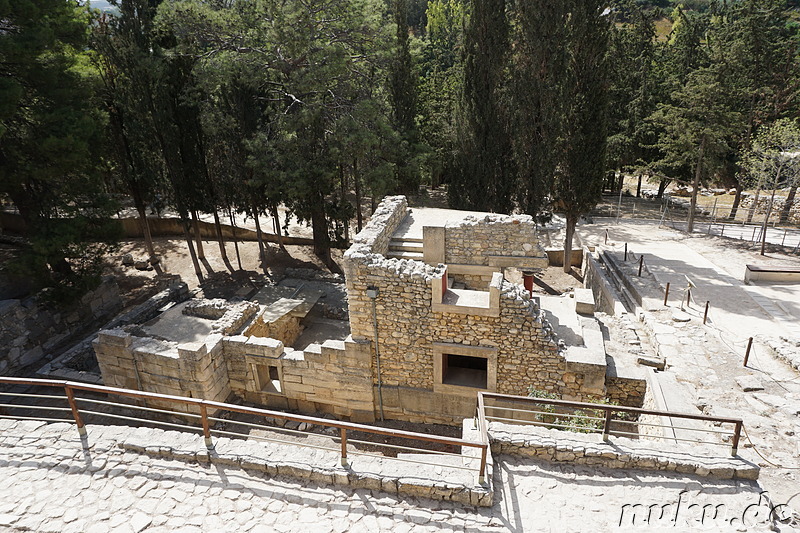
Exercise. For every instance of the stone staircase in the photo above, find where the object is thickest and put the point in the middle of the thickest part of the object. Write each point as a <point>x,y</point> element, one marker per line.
<point>405,248</point>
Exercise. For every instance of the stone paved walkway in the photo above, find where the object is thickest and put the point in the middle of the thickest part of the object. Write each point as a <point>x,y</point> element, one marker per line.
<point>54,482</point>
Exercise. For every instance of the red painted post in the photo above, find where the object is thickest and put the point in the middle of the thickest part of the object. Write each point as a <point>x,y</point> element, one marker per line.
<point>343,434</point>
<point>206,428</point>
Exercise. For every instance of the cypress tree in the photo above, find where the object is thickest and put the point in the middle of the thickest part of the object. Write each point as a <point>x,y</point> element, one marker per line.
<point>485,181</point>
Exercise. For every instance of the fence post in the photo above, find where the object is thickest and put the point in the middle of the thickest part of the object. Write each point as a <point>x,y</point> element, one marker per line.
<point>705,315</point>
<point>736,434</point>
<point>343,433</point>
<point>75,413</point>
<point>747,353</point>
<point>206,428</point>
<point>641,262</point>
<point>666,294</point>
<point>626,252</point>
<point>607,425</point>
<point>482,471</point>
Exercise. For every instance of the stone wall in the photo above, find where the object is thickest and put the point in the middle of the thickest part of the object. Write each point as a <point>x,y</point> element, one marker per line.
<point>524,350</point>
<point>777,207</point>
<point>334,377</point>
<point>196,370</point>
<point>285,329</point>
<point>374,237</point>
<point>475,240</point>
<point>30,329</point>
<point>627,391</point>
<point>588,449</point>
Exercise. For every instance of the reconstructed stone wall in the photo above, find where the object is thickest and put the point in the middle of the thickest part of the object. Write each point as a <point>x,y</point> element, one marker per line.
<point>375,236</point>
<point>475,239</point>
<point>29,329</point>
<point>526,353</point>
<point>196,370</point>
<point>335,377</point>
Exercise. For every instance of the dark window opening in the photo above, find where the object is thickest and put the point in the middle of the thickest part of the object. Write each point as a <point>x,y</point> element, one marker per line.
<point>268,379</point>
<point>464,371</point>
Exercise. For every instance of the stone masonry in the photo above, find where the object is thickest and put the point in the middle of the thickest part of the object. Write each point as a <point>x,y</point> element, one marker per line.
<point>29,329</point>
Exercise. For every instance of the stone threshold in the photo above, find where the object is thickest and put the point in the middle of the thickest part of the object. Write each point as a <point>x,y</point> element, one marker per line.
<point>439,482</point>
<point>589,449</point>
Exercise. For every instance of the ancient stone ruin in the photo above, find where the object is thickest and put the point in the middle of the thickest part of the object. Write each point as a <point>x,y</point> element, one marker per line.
<point>432,319</point>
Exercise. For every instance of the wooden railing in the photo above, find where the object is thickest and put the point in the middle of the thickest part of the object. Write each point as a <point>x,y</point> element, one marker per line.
<point>602,424</point>
<point>205,420</point>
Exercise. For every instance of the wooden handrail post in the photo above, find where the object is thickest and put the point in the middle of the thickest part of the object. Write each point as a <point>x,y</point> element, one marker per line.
<point>607,425</point>
<point>666,294</point>
<point>343,433</point>
<point>641,262</point>
<point>206,428</point>
<point>482,471</point>
<point>75,413</point>
<point>705,315</point>
<point>736,434</point>
<point>747,353</point>
<point>626,252</point>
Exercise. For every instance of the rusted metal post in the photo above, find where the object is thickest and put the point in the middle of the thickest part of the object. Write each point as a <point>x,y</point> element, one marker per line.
<point>75,413</point>
<point>343,434</point>
<point>206,428</point>
<point>482,471</point>
<point>736,434</point>
<point>705,315</point>
<point>626,252</point>
<point>747,353</point>
<point>641,262</point>
<point>666,294</point>
<point>607,425</point>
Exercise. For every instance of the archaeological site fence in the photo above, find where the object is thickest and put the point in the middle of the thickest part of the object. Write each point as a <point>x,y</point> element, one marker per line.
<point>22,399</point>
<point>607,420</point>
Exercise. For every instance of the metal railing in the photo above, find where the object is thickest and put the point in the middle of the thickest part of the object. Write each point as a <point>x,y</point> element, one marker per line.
<point>206,421</point>
<point>577,416</point>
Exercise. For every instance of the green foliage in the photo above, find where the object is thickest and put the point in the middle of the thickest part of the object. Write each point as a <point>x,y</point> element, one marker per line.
<point>51,141</point>
<point>773,159</point>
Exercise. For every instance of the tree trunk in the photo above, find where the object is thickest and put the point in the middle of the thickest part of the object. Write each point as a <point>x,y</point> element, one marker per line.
<point>572,220</point>
<point>221,241</point>
<point>752,210</point>
<point>737,199</point>
<point>766,218</point>
<point>319,227</point>
<point>621,182</point>
<point>278,232</point>
<point>148,238</point>
<point>373,204</point>
<point>357,185</point>
<point>343,189</point>
<point>662,186</point>
<point>695,186</point>
<point>192,254</point>
<point>639,187</point>
<point>235,239</point>
<point>787,206</point>
<point>261,253</point>
<point>200,253</point>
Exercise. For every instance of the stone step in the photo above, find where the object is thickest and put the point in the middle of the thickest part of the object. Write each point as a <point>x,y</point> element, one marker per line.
<point>405,245</point>
<point>405,255</point>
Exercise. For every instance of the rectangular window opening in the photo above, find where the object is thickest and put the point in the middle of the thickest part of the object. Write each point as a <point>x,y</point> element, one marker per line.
<point>464,371</point>
<point>268,378</point>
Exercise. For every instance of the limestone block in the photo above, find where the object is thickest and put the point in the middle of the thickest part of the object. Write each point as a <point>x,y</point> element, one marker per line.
<point>584,302</point>
<point>114,337</point>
